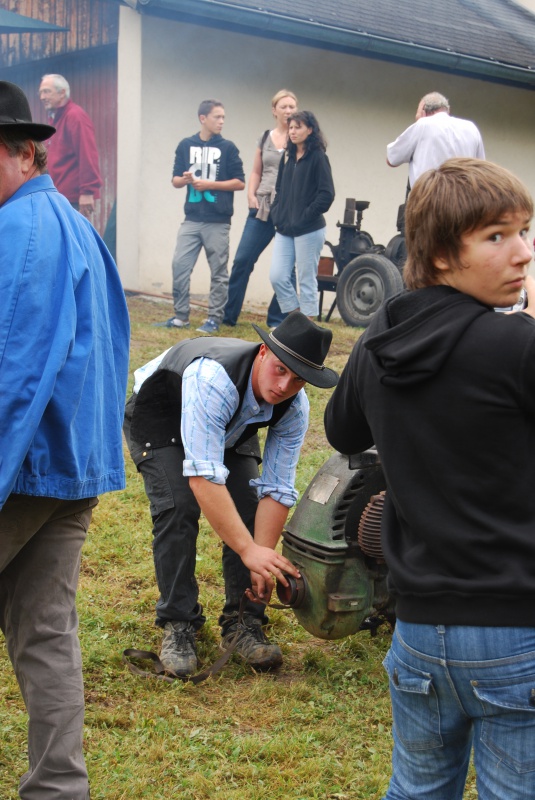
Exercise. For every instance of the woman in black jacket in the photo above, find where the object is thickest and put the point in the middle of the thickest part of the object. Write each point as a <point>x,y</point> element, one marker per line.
<point>305,191</point>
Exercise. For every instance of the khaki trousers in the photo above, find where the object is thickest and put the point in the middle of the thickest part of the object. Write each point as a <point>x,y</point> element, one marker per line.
<point>40,543</point>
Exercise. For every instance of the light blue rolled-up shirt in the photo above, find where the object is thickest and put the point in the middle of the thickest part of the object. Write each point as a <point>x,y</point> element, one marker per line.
<point>210,425</point>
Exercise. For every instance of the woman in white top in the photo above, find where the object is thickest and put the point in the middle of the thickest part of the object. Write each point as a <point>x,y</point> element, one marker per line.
<point>259,230</point>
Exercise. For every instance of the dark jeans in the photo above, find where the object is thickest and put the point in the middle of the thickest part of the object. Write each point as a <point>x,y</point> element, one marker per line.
<point>175,516</point>
<point>255,238</point>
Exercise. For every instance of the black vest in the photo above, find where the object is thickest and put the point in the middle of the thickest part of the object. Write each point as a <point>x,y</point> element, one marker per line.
<point>158,409</point>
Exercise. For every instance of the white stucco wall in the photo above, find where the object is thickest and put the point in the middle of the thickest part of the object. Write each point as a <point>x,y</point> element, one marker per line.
<point>166,68</point>
<point>529,4</point>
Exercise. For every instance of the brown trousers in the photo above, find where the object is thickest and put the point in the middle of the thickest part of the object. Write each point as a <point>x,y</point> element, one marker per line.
<point>40,544</point>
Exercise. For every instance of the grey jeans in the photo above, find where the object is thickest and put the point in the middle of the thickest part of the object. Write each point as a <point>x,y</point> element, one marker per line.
<point>214,237</point>
<point>40,543</point>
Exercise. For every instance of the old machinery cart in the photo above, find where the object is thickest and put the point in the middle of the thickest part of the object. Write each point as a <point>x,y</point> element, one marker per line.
<point>366,273</point>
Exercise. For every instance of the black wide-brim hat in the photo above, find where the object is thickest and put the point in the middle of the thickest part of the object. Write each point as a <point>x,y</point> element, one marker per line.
<point>15,114</point>
<point>302,345</point>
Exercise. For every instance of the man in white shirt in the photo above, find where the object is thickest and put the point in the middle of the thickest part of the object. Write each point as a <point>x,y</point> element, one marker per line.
<point>434,138</point>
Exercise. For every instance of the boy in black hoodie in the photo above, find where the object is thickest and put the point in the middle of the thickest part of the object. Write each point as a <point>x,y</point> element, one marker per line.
<point>211,169</point>
<point>445,388</point>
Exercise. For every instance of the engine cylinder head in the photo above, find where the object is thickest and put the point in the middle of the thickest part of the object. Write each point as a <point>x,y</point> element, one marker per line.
<point>369,530</point>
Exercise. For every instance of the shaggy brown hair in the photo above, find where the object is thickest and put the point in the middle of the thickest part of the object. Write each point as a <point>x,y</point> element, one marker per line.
<point>462,195</point>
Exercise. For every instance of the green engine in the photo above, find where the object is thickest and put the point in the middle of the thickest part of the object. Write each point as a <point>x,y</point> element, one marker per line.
<point>333,538</point>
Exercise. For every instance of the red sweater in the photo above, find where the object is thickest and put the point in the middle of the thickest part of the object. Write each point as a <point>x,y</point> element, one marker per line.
<point>73,155</point>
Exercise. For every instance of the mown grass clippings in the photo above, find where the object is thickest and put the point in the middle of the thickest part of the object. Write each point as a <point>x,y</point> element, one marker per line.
<point>318,729</point>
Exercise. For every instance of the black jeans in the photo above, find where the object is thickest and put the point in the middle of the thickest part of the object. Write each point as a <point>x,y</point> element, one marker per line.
<point>175,516</point>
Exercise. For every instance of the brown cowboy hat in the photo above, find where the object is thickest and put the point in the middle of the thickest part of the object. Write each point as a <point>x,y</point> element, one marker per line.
<point>302,345</point>
<point>15,114</point>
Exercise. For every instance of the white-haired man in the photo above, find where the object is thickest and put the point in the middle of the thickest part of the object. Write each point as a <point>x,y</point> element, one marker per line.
<point>72,153</point>
<point>434,138</point>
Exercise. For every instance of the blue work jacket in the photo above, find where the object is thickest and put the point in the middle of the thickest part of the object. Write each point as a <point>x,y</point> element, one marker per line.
<point>64,336</point>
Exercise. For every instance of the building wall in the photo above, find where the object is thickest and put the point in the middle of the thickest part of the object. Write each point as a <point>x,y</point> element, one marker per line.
<point>86,54</point>
<point>529,4</point>
<point>167,67</point>
<point>90,23</point>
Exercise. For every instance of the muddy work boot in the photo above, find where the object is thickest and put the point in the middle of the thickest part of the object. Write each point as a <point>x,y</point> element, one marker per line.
<point>253,645</point>
<point>178,653</point>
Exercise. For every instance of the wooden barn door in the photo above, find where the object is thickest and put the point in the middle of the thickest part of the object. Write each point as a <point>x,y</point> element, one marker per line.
<point>92,75</point>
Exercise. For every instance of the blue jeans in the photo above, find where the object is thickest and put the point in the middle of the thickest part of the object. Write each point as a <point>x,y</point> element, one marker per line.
<point>457,687</point>
<point>255,238</point>
<point>302,252</point>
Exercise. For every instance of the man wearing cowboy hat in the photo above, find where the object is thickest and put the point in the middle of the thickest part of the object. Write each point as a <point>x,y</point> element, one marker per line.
<point>191,427</point>
<point>64,338</point>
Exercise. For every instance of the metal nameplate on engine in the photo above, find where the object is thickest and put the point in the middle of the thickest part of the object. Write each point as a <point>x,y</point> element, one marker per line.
<point>345,602</point>
<point>322,488</point>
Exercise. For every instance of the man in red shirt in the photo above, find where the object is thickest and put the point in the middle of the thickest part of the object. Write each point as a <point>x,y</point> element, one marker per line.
<point>72,153</point>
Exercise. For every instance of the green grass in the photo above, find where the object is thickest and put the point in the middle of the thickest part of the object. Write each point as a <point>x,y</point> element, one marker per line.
<point>318,728</point>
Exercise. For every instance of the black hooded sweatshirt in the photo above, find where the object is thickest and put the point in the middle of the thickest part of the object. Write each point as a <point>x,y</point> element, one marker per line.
<point>445,388</point>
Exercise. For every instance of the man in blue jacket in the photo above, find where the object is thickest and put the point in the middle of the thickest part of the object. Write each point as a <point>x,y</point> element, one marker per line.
<point>64,337</point>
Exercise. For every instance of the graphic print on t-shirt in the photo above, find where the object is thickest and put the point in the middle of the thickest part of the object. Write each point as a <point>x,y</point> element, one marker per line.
<point>204,163</point>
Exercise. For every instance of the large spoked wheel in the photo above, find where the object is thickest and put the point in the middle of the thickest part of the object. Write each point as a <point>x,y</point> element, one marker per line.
<point>396,251</point>
<point>365,283</point>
